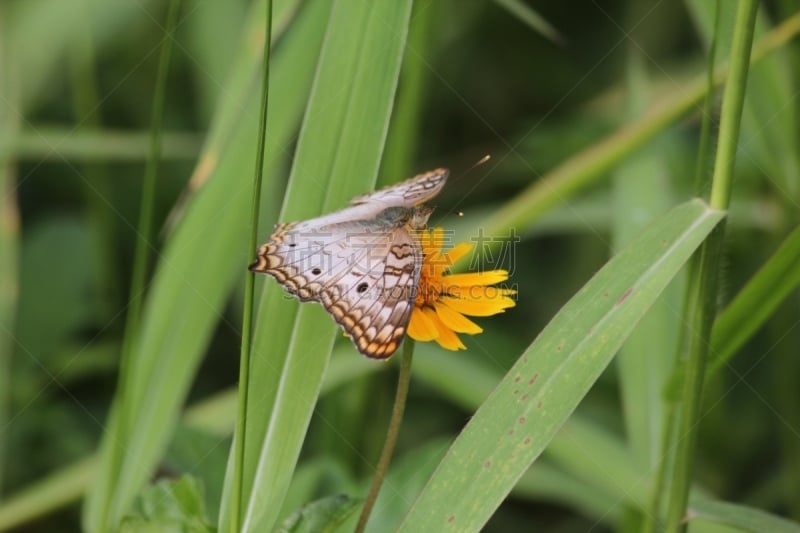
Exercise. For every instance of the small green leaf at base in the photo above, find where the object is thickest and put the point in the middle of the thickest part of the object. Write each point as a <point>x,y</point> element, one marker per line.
<point>175,505</point>
<point>321,516</point>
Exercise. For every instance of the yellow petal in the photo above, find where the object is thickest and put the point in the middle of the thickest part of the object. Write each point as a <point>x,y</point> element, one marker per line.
<point>446,339</point>
<point>420,327</point>
<point>479,306</point>
<point>479,293</point>
<point>458,251</point>
<point>455,320</point>
<point>490,277</point>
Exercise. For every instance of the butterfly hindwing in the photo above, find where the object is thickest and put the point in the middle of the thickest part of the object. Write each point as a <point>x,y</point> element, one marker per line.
<point>364,276</point>
<point>361,263</point>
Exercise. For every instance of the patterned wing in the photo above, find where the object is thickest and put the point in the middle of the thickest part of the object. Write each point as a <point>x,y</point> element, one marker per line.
<point>364,275</point>
<point>413,191</point>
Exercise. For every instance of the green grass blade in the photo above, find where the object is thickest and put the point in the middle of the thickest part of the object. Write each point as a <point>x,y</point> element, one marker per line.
<point>337,157</point>
<point>769,135</point>
<point>741,517</point>
<point>704,279</point>
<point>750,309</point>
<point>603,469</point>
<point>97,185</point>
<point>144,227</point>
<point>9,239</point>
<point>403,139</point>
<point>601,460</point>
<point>245,353</point>
<point>58,489</point>
<point>647,356</point>
<point>546,483</point>
<point>123,417</point>
<point>196,271</point>
<point>53,27</point>
<point>100,145</point>
<point>224,21</point>
<point>511,429</point>
<point>214,415</point>
<point>534,20</point>
<point>755,303</point>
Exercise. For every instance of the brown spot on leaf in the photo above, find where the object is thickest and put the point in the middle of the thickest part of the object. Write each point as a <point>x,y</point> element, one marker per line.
<point>522,420</point>
<point>533,379</point>
<point>624,296</point>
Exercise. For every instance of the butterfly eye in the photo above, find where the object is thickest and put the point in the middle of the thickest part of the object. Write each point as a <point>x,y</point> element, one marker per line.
<point>316,271</point>
<point>362,287</point>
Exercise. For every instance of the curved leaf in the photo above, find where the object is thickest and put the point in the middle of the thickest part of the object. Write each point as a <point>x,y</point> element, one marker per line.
<point>541,390</point>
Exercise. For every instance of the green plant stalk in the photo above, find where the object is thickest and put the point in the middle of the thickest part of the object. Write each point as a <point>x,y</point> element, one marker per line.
<point>95,180</point>
<point>708,268</point>
<point>90,144</point>
<point>731,115</point>
<point>144,233</point>
<point>651,518</point>
<point>650,521</point>
<point>708,109</point>
<point>249,289</point>
<point>9,238</point>
<point>147,205</point>
<point>391,434</point>
<point>756,302</point>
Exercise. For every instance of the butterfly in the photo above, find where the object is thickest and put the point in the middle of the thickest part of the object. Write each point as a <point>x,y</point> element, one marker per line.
<point>361,263</point>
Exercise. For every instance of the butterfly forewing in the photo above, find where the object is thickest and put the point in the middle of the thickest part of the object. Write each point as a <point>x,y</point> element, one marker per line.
<point>361,263</point>
<point>412,192</point>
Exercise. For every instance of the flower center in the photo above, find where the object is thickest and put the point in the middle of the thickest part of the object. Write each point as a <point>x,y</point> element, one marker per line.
<point>429,289</point>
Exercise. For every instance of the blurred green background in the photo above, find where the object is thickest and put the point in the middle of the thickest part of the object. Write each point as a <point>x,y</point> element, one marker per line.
<point>76,83</point>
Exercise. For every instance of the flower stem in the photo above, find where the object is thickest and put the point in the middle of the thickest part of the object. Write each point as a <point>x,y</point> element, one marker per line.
<point>391,434</point>
<point>249,289</point>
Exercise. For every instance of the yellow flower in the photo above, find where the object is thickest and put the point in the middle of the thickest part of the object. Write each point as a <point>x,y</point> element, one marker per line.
<point>443,299</point>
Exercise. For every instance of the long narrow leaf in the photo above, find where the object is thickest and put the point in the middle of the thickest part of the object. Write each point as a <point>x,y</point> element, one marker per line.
<point>755,303</point>
<point>337,157</point>
<point>9,239</point>
<point>641,193</point>
<point>193,277</point>
<point>542,389</point>
<point>534,20</point>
